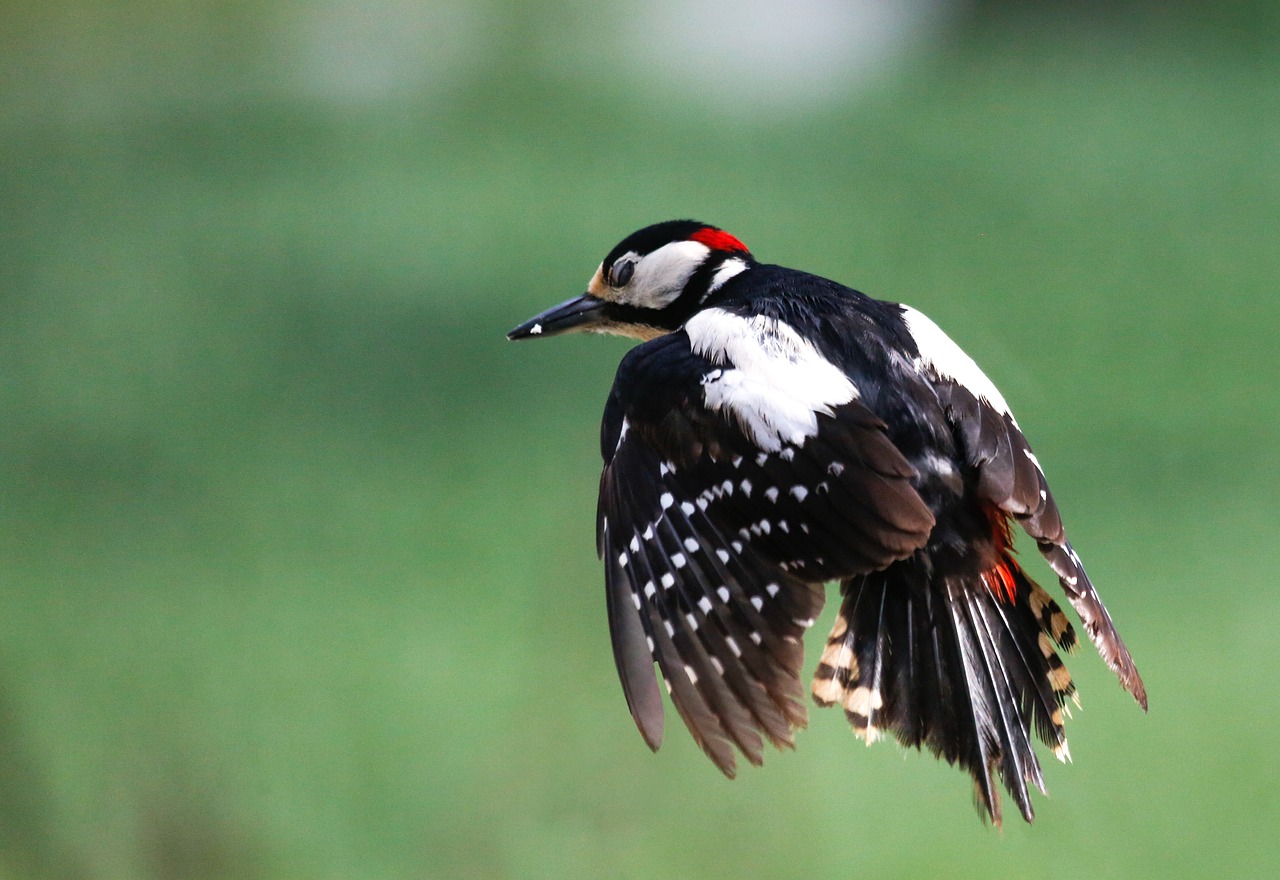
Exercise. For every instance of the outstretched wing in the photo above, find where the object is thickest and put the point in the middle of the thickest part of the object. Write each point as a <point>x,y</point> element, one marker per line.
<point>740,473</point>
<point>1010,477</point>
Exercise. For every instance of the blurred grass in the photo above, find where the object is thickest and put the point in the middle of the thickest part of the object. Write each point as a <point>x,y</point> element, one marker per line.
<point>296,553</point>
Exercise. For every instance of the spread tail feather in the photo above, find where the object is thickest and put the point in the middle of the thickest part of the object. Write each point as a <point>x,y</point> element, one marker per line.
<point>964,665</point>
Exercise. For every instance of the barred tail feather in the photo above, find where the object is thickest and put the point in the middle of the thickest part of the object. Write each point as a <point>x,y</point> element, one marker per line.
<point>965,666</point>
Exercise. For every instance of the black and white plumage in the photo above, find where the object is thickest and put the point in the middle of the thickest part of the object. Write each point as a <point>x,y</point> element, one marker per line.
<point>777,430</point>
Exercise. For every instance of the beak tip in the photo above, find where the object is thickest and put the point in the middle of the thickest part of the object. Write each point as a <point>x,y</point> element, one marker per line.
<point>579,313</point>
<point>524,331</point>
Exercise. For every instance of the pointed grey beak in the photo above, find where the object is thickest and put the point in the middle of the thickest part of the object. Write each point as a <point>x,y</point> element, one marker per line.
<point>580,313</point>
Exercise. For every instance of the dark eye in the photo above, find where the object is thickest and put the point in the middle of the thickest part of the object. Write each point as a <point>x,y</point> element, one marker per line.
<point>621,273</point>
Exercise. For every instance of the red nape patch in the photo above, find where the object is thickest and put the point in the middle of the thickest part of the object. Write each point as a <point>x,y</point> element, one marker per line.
<point>717,240</point>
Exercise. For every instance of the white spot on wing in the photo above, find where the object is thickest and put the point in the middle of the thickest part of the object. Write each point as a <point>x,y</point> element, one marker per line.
<point>666,500</point>
<point>775,383</point>
<point>939,465</point>
<point>535,330</point>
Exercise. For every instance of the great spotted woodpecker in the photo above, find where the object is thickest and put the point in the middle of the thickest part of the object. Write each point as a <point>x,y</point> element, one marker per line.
<point>777,430</point>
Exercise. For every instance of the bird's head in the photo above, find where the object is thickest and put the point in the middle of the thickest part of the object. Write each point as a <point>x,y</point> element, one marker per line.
<point>649,284</point>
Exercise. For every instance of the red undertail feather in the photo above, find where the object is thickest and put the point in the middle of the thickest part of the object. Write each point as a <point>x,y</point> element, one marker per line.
<point>1000,582</point>
<point>999,578</point>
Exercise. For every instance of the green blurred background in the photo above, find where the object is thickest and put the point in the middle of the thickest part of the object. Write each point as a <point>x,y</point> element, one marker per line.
<point>297,574</point>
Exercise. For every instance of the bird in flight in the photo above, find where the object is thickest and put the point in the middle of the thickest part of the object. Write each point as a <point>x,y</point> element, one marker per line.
<point>775,430</point>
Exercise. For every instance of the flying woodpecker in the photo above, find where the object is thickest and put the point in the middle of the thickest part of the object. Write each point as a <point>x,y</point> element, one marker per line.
<point>776,430</point>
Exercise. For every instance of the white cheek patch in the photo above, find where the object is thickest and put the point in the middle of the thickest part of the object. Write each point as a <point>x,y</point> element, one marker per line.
<point>939,354</point>
<point>660,277</point>
<point>772,381</point>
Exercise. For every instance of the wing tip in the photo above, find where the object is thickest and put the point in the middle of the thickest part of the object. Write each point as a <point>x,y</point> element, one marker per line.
<point>1132,682</point>
<point>650,725</point>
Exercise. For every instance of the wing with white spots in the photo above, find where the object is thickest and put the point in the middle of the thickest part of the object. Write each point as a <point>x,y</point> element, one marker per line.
<point>715,548</point>
<point>1010,477</point>
<point>724,625</point>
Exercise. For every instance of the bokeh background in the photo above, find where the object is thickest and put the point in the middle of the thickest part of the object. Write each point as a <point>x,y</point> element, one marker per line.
<point>297,575</point>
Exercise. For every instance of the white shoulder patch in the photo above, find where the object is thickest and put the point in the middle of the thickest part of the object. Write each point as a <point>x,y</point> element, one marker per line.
<point>771,380</point>
<point>941,355</point>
